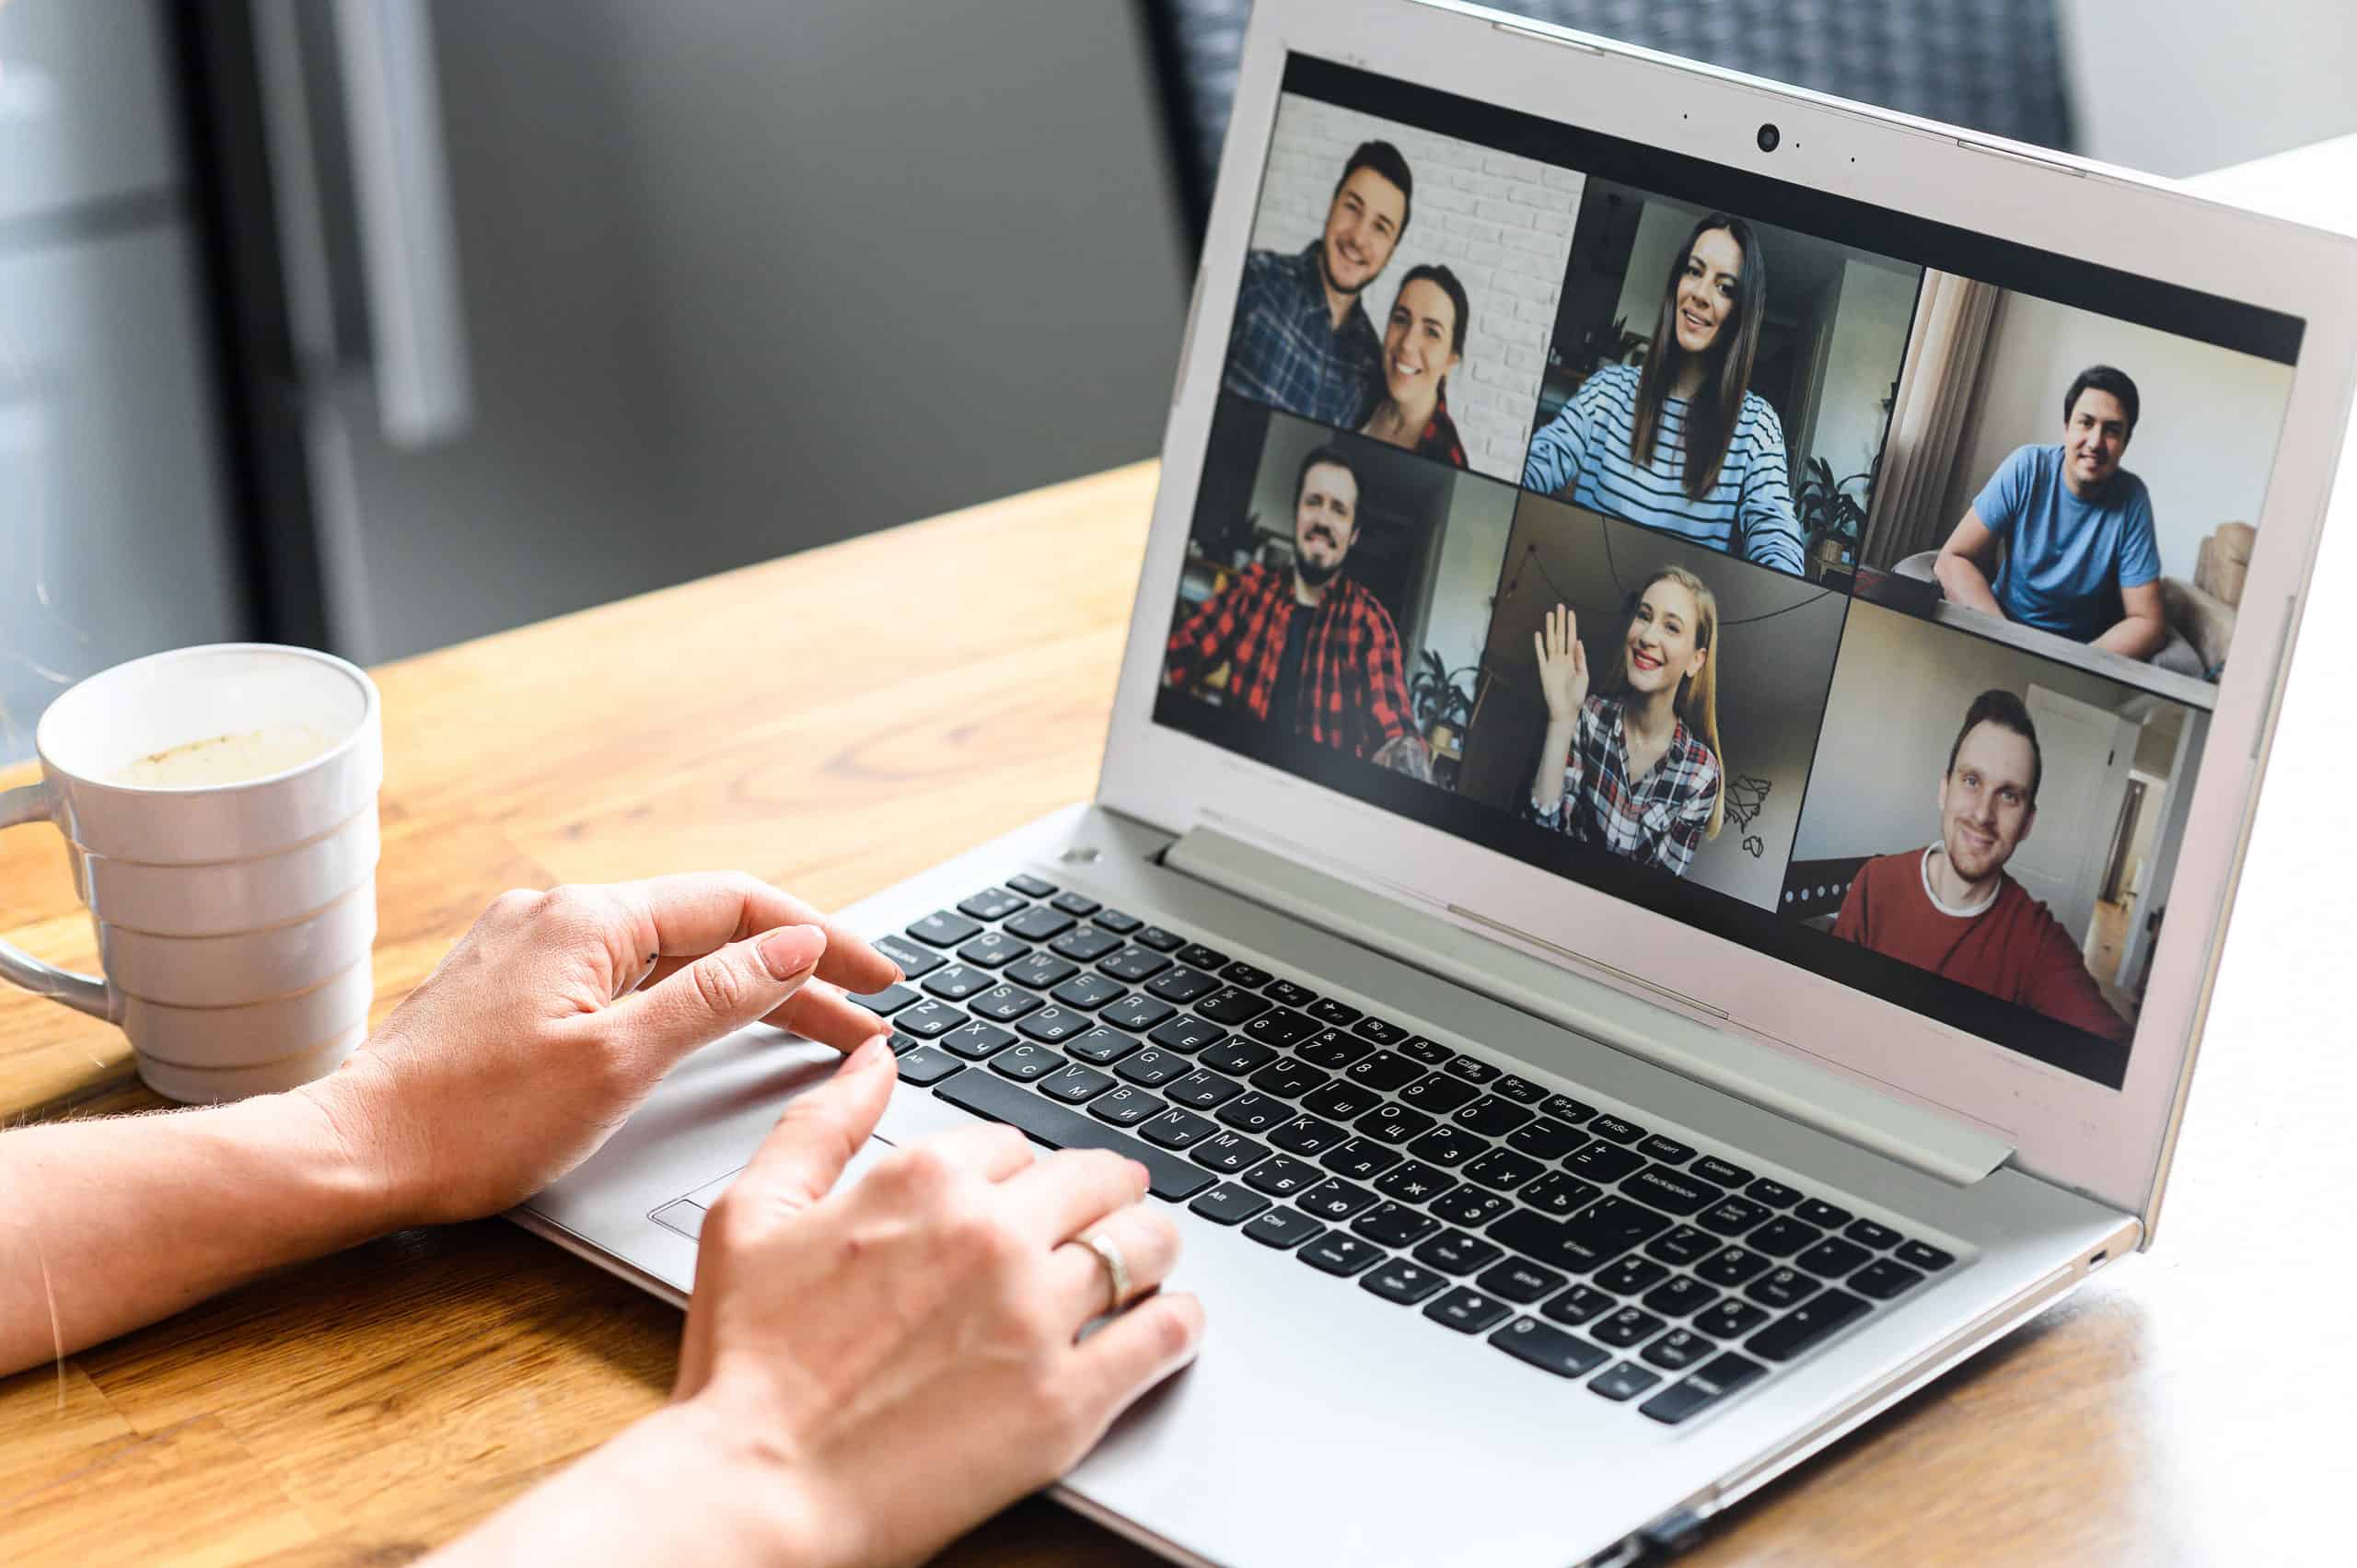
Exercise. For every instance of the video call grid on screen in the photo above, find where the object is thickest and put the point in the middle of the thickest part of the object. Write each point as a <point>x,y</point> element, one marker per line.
<point>1513,275</point>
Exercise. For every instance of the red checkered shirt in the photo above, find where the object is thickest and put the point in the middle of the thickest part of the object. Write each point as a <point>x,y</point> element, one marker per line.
<point>1353,696</point>
<point>1658,819</point>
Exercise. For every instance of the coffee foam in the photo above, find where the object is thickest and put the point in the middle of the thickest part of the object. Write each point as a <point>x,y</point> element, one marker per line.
<point>225,759</point>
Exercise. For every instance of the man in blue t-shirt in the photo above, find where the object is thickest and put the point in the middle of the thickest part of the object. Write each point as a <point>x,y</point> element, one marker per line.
<point>2080,557</point>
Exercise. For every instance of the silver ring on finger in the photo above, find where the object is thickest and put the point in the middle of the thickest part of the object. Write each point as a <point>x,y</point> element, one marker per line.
<point>1117,1269</point>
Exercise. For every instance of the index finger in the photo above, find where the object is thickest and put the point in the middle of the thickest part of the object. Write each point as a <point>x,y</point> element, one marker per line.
<point>689,913</point>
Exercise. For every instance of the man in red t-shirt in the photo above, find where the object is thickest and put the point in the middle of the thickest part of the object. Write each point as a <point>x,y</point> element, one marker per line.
<point>1951,909</point>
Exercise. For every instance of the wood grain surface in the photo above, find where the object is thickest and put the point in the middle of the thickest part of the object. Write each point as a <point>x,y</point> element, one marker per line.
<point>841,719</point>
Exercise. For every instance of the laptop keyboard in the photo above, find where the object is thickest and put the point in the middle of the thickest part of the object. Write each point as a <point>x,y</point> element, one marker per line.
<point>1573,1239</point>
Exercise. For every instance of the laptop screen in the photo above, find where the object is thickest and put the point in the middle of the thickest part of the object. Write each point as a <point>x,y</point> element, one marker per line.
<point>1845,585</point>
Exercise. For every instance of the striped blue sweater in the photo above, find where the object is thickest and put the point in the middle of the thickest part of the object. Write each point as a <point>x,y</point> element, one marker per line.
<point>1584,456</point>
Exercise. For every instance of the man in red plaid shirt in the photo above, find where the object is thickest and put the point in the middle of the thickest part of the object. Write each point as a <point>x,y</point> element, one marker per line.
<point>1309,652</point>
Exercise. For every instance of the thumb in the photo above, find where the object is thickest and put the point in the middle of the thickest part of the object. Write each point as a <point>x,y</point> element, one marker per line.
<point>722,992</point>
<point>799,1162</point>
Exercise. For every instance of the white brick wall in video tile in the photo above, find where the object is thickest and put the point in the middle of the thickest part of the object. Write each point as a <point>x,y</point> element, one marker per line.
<point>1501,224</point>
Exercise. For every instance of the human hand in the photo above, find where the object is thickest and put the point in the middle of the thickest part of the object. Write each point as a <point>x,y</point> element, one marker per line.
<point>1563,665</point>
<point>901,1355</point>
<point>1406,754</point>
<point>557,1013</point>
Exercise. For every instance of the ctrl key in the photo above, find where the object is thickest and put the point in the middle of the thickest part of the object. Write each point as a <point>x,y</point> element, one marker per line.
<point>1550,1350</point>
<point>1702,1390</point>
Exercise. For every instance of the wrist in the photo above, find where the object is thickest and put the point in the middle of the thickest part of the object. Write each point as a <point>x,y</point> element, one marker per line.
<point>356,1151</point>
<point>757,1496</point>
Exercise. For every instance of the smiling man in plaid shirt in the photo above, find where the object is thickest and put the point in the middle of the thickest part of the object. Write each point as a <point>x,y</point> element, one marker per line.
<point>1309,652</point>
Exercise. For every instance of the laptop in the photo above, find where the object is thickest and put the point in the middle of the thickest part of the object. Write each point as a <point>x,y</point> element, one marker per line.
<point>1701,673</point>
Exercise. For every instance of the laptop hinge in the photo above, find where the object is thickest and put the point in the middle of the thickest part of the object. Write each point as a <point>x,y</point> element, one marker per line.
<point>1593,999</point>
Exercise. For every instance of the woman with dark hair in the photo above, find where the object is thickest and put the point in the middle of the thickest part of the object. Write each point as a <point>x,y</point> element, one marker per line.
<point>1683,444</point>
<point>1423,342</point>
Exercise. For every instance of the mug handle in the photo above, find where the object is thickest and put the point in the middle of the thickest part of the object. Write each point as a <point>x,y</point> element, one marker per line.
<point>83,993</point>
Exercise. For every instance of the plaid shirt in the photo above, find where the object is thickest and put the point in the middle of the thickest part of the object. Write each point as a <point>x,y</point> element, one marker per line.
<point>1439,439</point>
<point>1286,351</point>
<point>1658,819</point>
<point>1353,696</point>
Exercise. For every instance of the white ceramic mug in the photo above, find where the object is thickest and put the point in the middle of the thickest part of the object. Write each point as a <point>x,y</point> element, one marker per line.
<point>219,808</point>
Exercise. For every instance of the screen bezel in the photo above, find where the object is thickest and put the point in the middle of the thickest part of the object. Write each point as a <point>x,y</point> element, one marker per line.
<point>2104,1142</point>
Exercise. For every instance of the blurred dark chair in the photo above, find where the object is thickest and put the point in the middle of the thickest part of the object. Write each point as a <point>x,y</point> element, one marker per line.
<point>1995,65</point>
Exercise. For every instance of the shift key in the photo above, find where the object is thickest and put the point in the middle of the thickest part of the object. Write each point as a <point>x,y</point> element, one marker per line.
<point>1059,1128</point>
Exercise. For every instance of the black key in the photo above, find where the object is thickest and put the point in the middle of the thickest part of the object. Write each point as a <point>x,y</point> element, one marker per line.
<point>1824,1215</point>
<point>1564,1107</point>
<point>1833,1258</point>
<point>1806,1326</point>
<point>1545,1139</point>
<point>1086,945</point>
<point>1438,1094</point>
<point>1075,1085</point>
<point>1519,1281</point>
<point>902,1044</point>
<point>1152,1069</point>
<point>1783,1236</point>
<point>1243,973</point>
<point>1282,1228</point>
<point>1126,1108</point>
<point>927,1019</point>
<point>1775,1194</point>
<point>1623,1382</point>
<point>1730,1266</point>
<point>1226,1005</point>
<point>1577,1304</point>
<point>1006,1002</point>
<point>1453,1252</point>
<point>1285,993</point>
<point>1522,1091</point>
<point>1340,1101</point>
<point>1237,1054</point>
<point>1629,1326</point>
<point>1187,1033</point>
<point>1550,1350</point>
<point>1284,1029</point>
<point>1331,1049</point>
<point>1335,1200</point>
<point>958,981</point>
<point>1328,1010</point>
<point>1782,1287</point>
<point>1467,1311</point>
<point>1394,1225</point>
<point>1101,1045</point>
<point>1666,1188</point>
<point>1883,1279</point>
<point>1923,1255</point>
<point>1177,1128</point>
<point>1866,1233</point>
<point>914,960</point>
<point>1121,922</point>
<point>1024,1062</point>
<point>1490,1115</point>
<point>942,929</point>
<point>1088,991</point>
<point>1730,1317</point>
<point>992,903</point>
<point>1473,1070</point>
<point>1042,970</point>
<point>1414,1182</point>
<point>1678,1349</point>
<point>1284,1176</point>
<point>1161,941</point>
<point>1503,1170</point>
<point>1678,1295</point>
<point>1392,1122</point>
<point>1060,1127</point>
<point>992,949</point>
<point>1447,1144</point>
<point>1183,985</point>
<point>1733,1216</point>
<point>1039,924</point>
<point>1471,1206</point>
<point>1288,1077</point>
<point>1431,1052</point>
<point>1702,1390</point>
<point>926,1066</point>
<point>1203,1089</point>
<point>886,1002</point>
<point>1080,904</point>
<point>1136,1014</point>
<point>1616,1129</point>
<point>1682,1245</point>
<point>1382,1031</point>
<point>1589,1240</point>
<point>1307,1136</point>
<point>1558,1194</point>
<point>1402,1281</point>
<point>1711,1167</point>
<point>1361,1159</point>
<point>1201,957</point>
<point>1229,1204</point>
<point>1601,1161</point>
<point>1628,1275</point>
<point>1053,1025</point>
<point>1228,1152</point>
<point>1134,964</point>
<point>1253,1112</point>
<point>1030,885</point>
<point>976,1040</point>
<point>1669,1151</point>
<point>1386,1071</point>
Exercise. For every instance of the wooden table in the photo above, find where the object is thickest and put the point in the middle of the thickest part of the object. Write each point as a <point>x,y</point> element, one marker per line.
<point>818,722</point>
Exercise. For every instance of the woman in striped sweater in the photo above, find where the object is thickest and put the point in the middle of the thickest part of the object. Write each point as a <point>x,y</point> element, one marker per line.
<point>1683,444</point>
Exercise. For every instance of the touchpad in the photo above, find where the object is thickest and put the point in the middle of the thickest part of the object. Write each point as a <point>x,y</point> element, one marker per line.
<point>686,1213</point>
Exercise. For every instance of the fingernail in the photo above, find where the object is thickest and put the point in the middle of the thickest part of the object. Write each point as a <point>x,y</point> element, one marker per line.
<point>873,1051</point>
<point>789,950</point>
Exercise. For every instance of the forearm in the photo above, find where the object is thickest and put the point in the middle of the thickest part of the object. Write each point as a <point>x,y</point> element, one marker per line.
<point>2139,636</point>
<point>1554,755</point>
<point>1962,580</point>
<point>108,1225</point>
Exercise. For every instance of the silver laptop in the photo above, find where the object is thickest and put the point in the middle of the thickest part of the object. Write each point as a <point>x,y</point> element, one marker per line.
<point>1700,676</point>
